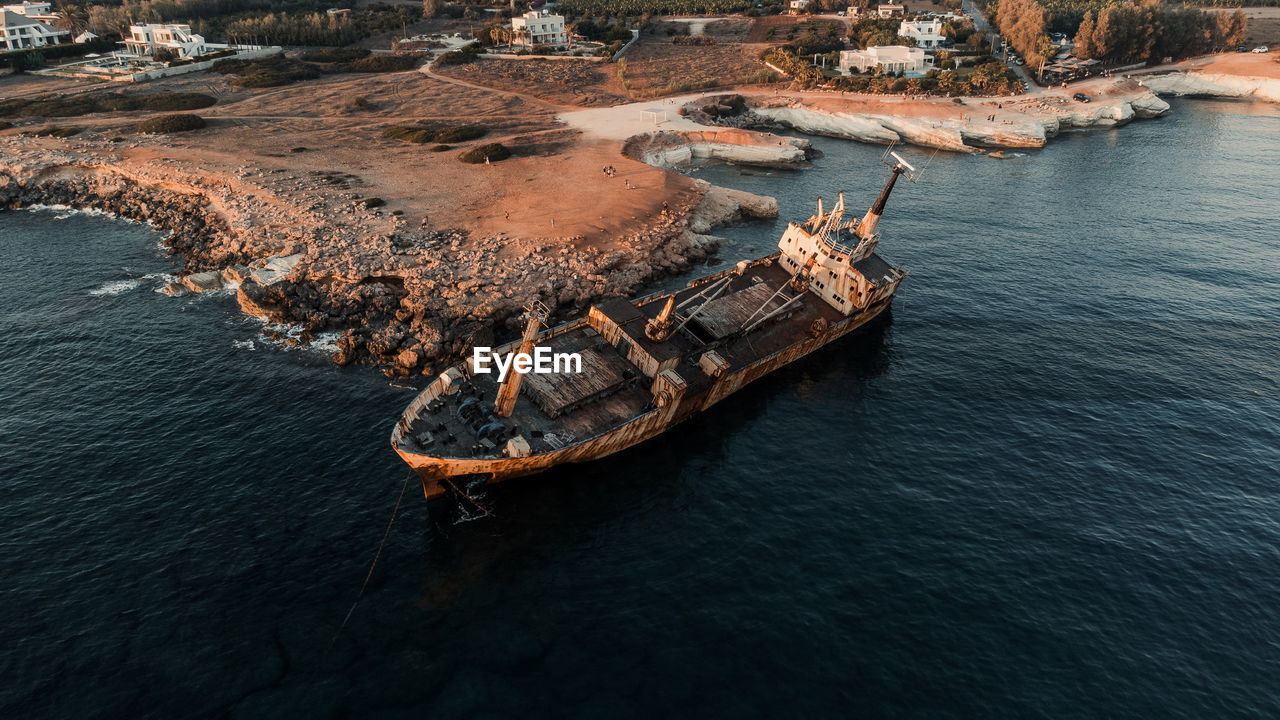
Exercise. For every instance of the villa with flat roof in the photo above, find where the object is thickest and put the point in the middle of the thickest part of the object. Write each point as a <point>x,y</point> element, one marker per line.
<point>20,32</point>
<point>149,39</point>
<point>926,33</point>
<point>538,27</point>
<point>888,58</point>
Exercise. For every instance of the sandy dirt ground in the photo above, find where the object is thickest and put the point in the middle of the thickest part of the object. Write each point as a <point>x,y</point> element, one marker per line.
<point>314,126</point>
<point>1265,65</point>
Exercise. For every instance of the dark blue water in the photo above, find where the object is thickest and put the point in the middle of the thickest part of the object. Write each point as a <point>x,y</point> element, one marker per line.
<point>1049,488</point>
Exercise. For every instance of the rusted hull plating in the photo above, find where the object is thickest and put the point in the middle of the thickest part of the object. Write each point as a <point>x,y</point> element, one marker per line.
<point>436,472</point>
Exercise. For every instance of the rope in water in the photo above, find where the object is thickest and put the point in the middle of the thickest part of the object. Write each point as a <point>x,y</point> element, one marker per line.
<point>376,556</point>
<point>468,498</point>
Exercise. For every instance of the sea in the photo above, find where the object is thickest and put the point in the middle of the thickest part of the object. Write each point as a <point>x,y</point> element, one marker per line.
<point>1047,487</point>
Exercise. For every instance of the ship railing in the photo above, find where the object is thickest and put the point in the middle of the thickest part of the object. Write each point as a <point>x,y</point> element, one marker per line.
<point>414,411</point>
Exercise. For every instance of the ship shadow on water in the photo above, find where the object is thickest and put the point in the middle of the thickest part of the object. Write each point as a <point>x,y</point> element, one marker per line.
<point>571,502</point>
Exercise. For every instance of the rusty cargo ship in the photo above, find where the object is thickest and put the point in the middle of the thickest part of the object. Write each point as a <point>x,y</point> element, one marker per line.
<point>648,364</point>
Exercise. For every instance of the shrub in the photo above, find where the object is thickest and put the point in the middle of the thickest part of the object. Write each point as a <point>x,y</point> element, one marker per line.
<point>333,55</point>
<point>440,148</point>
<point>271,71</point>
<point>5,125</point>
<point>384,62</point>
<point>459,133</point>
<point>455,57</point>
<point>76,105</point>
<point>53,131</point>
<point>180,122</point>
<point>409,134</point>
<point>447,134</point>
<point>491,152</point>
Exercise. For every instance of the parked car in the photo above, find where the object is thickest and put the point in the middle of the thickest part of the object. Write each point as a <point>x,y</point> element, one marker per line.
<point>1242,49</point>
<point>1262,49</point>
<point>1082,97</point>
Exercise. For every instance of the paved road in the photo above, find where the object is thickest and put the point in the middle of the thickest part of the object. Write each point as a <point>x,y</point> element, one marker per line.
<point>980,23</point>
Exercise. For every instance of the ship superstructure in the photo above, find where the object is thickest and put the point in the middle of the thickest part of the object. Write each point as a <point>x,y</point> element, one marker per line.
<point>649,363</point>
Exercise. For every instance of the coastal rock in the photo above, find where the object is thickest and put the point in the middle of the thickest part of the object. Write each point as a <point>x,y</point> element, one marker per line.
<point>203,281</point>
<point>251,298</point>
<point>672,149</point>
<point>1204,84</point>
<point>721,206</point>
<point>849,126</point>
<point>1149,106</point>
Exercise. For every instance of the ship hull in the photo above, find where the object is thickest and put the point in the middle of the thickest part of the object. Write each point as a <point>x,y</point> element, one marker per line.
<point>438,473</point>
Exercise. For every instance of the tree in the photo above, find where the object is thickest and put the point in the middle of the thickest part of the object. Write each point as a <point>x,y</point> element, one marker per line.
<point>1086,42</point>
<point>1233,28</point>
<point>430,8</point>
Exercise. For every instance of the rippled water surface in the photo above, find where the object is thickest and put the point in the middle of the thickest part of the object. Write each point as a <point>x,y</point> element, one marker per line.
<point>1050,487</point>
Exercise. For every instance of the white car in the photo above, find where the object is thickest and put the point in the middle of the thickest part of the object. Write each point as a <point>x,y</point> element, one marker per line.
<point>1262,49</point>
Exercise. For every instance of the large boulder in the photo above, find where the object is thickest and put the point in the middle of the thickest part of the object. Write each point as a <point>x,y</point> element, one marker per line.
<point>203,281</point>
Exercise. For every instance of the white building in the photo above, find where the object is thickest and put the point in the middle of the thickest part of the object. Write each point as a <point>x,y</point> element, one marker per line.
<point>890,9</point>
<point>798,6</point>
<point>538,27</point>
<point>41,11</point>
<point>18,32</point>
<point>889,58</point>
<point>147,39</point>
<point>926,33</point>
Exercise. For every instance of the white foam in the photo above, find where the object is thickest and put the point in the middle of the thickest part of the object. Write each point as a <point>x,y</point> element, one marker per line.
<point>244,345</point>
<point>117,287</point>
<point>325,342</point>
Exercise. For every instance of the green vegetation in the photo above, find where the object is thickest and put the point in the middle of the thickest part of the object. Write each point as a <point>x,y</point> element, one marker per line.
<point>635,8</point>
<point>1149,33</point>
<point>5,125</point>
<point>1117,32</point>
<point>990,78</point>
<point>54,131</point>
<point>178,122</point>
<point>333,55</point>
<point>802,71</point>
<point>468,53</point>
<point>271,71</point>
<point>279,70</point>
<point>446,134</point>
<point>384,62</point>
<point>492,152</point>
<point>268,22</point>
<point>76,105</point>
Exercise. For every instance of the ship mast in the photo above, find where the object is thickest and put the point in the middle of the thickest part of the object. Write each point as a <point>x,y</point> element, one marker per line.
<point>867,226</point>
<point>510,388</point>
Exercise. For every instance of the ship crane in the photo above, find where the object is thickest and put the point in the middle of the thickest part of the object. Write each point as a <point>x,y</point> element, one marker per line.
<point>536,314</point>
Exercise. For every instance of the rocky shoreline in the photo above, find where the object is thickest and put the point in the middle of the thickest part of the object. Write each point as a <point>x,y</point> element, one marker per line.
<point>298,250</point>
<point>1195,83</point>
<point>968,125</point>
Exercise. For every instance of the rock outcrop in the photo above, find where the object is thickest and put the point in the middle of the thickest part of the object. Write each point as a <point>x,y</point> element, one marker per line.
<point>1208,84</point>
<point>301,253</point>
<point>958,130</point>
<point>674,149</point>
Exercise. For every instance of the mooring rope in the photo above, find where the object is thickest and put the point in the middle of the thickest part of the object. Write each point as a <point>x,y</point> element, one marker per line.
<point>376,556</point>
<point>468,498</point>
